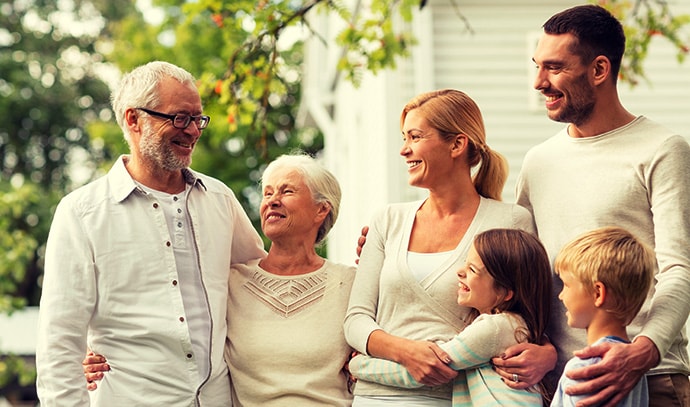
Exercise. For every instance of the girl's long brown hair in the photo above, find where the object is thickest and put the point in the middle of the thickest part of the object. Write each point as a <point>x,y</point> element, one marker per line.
<point>518,261</point>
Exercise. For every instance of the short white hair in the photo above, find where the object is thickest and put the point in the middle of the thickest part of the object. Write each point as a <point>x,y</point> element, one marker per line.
<point>139,88</point>
<point>322,183</point>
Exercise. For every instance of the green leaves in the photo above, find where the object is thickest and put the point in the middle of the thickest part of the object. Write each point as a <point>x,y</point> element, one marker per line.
<point>642,21</point>
<point>371,40</point>
<point>25,213</point>
<point>16,369</point>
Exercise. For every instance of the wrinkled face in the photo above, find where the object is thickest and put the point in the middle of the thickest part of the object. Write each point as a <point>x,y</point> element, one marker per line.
<point>579,304</point>
<point>563,80</point>
<point>476,287</point>
<point>426,154</point>
<point>288,209</point>
<point>161,145</point>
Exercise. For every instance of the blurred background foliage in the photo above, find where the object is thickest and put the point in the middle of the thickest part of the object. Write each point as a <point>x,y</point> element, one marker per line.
<point>59,58</point>
<point>643,20</point>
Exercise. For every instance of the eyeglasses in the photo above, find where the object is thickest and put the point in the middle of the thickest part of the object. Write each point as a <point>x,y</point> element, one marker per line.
<point>181,121</point>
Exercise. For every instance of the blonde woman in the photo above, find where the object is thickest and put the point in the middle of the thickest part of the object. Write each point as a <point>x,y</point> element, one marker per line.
<point>404,295</point>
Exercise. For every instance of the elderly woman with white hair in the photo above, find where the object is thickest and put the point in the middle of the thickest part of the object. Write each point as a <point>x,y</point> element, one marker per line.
<point>285,342</point>
<point>286,345</point>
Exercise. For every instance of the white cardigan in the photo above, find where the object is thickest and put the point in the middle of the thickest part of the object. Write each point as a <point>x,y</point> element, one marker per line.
<point>386,296</point>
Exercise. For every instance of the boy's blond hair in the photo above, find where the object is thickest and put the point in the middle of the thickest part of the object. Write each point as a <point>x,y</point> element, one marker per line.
<point>617,259</point>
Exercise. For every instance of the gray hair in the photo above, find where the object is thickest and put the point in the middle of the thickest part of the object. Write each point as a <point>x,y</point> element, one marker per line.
<point>139,88</point>
<point>322,183</point>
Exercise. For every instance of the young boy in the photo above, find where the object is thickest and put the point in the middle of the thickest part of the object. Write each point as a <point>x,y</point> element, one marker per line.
<point>606,276</point>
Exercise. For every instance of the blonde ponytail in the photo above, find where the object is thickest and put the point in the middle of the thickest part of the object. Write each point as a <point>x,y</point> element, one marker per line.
<point>492,174</point>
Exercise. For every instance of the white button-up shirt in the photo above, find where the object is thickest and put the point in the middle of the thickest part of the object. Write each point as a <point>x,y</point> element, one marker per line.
<point>110,277</point>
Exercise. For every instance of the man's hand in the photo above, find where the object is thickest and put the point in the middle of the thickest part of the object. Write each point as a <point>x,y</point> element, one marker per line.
<point>351,380</point>
<point>530,362</point>
<point>94,366</point>
<point>360,242</point>
<point>610,380</point>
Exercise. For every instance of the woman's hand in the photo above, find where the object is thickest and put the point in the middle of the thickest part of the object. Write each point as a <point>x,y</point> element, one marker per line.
<point>526,362</point>
<point>427,363</point>
<point>94,366</point>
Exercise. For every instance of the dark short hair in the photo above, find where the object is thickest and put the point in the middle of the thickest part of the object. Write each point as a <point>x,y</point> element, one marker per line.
<point>597,32</point>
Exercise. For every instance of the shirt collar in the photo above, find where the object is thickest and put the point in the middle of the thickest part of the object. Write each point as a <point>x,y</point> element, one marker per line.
<point>191,178</point>
<point>123,184</point>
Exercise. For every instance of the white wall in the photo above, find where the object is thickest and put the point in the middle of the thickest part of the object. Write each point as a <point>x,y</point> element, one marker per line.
<point>18,331</point>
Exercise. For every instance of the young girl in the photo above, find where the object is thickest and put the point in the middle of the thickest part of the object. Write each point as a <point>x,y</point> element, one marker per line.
<point>507,282</point>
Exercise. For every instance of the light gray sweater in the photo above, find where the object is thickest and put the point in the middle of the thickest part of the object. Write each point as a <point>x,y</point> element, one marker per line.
<point>636,177</point>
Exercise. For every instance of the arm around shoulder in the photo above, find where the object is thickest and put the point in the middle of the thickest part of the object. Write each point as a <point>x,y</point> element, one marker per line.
<point>360,318</point>
<point>669,185</point>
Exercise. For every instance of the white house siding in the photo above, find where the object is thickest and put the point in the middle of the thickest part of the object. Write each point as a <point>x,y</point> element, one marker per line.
<point>493,66</point>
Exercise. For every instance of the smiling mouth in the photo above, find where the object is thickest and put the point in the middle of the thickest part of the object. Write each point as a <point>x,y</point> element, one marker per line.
<point>412,164</point>
<point>184,145</point>
<point>552,98</point>
<point>463,287</point>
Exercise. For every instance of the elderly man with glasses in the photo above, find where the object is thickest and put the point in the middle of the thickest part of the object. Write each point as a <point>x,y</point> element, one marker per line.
<point>137,262</point>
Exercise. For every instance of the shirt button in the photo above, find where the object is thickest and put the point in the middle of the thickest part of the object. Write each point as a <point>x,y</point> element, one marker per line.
<point>155,205</point>
<point>179,224</point>
<point>175,198</point>
<point>181,319</point>
<point>179,210</point>
<point>189,356</point>
<point>174,282</point>
<point>167,244</point>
